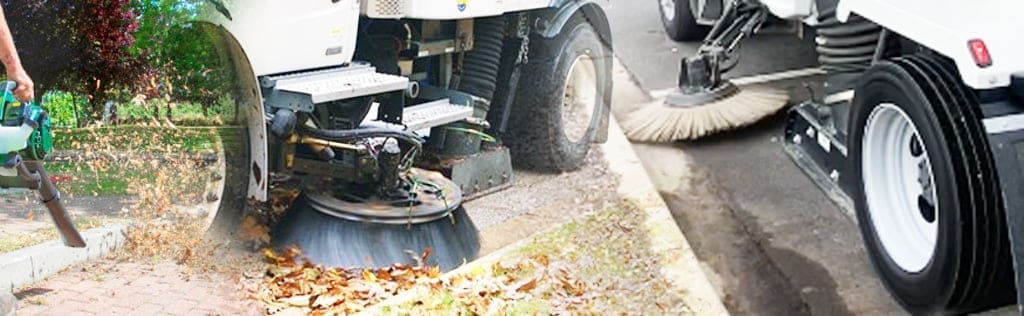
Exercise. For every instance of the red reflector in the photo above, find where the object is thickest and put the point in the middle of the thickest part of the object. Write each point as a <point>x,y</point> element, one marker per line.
<point>980,53</point>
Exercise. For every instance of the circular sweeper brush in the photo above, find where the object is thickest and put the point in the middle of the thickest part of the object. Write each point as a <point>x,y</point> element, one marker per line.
<point>353,226</point>
<point>689,115</point>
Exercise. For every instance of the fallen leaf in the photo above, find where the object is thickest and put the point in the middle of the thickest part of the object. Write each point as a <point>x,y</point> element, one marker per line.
<point>528,286</point>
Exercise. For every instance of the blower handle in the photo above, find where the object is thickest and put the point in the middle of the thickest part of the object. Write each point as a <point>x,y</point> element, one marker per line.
<point>8,86</point>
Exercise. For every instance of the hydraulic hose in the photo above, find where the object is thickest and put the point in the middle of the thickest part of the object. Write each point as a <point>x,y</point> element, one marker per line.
<point>361,133</point>
<point>480,66</point>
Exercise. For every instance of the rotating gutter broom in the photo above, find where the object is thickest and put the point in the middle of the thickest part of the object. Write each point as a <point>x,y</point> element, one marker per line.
<point>705,104</point>
<point>396,214</point>
<point>398,211</point>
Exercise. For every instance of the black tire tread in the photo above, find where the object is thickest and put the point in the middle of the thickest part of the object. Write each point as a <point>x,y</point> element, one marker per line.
<point>972,252</point>
<point>996,253</point>
<point>684,27</point>
<point>535,133</point>
<point>981,273</point>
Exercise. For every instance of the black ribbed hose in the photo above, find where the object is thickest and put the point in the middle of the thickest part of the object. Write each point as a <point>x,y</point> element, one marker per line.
<point>846,47</point>
<point>479,76</point>
<point>360,133</point>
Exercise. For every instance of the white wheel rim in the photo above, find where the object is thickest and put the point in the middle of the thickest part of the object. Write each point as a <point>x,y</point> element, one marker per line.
<point>668,9</point>
<point>581,98</point>
<point>898,187</point>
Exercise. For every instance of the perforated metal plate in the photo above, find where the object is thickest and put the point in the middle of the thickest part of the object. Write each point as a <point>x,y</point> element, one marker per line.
<point>434,114</point>
<point>330,86</point>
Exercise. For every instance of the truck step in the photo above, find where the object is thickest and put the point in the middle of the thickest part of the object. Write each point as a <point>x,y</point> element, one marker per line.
<point>433,114</point>
<point>340,83</point>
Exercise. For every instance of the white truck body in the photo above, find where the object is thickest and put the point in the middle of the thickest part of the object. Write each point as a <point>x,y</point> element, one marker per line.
<point>282,36</point>
<point>278,36</point>
<point>285,36</point>
<point>946,26</point>
<point>446,9</point>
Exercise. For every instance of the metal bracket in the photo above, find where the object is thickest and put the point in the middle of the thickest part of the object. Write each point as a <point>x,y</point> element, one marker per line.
<point>819,154</point>
<point>716,55</point>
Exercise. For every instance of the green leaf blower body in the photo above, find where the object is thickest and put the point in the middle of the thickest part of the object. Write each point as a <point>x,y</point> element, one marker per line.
<point>24,128</point>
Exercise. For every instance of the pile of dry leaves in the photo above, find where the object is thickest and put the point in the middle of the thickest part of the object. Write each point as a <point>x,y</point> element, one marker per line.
<point>598,265</point>
<point>293,284</point>
<point>533,285</point>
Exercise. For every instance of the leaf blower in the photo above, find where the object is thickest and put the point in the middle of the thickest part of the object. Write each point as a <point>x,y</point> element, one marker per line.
<point>25,140</point>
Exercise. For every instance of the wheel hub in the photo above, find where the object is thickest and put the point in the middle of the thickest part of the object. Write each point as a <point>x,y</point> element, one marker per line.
<point>899,188</point>
<point>581,98</point>
<point>429,196</point>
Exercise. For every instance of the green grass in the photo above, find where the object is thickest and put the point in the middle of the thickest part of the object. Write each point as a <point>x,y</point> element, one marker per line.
<point>15,242</point>
<point>107,178</point>
<point>140,138</point>
<point>87,180</point>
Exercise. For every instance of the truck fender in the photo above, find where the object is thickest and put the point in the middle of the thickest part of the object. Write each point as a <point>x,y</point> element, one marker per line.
<point>550,23</point>
<point>249,101</point>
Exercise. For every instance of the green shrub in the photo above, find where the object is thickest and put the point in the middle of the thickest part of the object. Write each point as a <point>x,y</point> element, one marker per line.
<point>65,108</point>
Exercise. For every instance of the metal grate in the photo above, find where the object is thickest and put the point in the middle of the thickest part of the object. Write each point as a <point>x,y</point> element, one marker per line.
<point>435,113</point>
<point>388,8</point>
<point>326,86</point>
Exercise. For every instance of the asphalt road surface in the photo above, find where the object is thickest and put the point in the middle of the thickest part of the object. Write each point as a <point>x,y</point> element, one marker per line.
<point>773,242</point>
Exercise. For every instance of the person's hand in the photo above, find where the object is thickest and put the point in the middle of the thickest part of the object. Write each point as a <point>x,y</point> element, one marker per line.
<point>25,91</point>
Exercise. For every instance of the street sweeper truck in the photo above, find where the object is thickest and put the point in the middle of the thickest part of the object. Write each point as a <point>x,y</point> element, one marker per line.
<point>387,115</point>
<point>920,132</point>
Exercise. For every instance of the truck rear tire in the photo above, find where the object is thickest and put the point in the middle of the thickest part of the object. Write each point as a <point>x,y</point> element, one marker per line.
<point>679,22</point>
<point>925,191</point>
<point>564,93</point>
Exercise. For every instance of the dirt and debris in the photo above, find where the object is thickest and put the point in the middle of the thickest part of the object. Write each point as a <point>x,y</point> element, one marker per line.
<point>593,265</point>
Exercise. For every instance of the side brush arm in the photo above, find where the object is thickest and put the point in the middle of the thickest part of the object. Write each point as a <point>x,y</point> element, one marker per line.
<point>717,54</point>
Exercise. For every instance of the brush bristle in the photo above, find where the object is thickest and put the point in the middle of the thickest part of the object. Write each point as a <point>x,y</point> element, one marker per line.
<point>336,242</point>
<point>662,123</point>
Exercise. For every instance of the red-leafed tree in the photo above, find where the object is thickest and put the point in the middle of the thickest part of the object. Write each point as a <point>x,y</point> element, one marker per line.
<point>77,45</point>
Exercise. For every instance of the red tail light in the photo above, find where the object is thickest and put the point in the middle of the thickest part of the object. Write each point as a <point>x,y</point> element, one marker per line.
<point>980,53</point>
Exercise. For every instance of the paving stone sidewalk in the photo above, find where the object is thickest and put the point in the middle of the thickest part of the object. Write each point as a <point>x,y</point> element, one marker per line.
<point>110,287</point>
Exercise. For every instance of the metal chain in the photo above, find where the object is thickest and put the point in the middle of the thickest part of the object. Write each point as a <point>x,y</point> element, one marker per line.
<point>524,35</point>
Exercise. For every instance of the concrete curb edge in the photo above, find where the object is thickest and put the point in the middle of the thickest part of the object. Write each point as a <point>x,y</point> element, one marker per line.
<point>679,263</point>
<point>34,264</point>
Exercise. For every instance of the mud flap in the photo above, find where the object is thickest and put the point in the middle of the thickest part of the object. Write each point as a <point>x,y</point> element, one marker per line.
<point>820,154</point>
<point>1008,152</point>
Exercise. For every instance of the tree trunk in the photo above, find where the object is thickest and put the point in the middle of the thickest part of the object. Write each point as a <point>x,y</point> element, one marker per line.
<point>170,117</point>
<point>78,111</point>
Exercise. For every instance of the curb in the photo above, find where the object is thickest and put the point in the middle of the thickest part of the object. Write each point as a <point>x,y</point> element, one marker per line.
<point>680,265</point>
<point>34,264</point>
<point>8,304</point>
